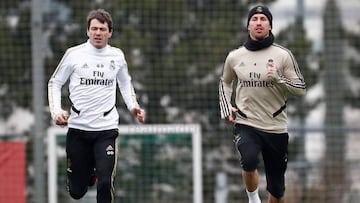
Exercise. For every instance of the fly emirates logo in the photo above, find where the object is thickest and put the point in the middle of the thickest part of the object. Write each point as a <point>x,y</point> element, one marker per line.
<point>255,81</point>
<point>98,79</point>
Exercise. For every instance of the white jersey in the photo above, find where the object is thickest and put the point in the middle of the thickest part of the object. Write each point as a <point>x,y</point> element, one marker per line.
<point>93,75</point>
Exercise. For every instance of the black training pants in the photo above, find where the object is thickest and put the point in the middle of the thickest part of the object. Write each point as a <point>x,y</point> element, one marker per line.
<point>91,153</point>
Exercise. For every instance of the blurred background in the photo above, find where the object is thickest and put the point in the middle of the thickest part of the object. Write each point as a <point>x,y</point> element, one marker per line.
<point>175,51</point>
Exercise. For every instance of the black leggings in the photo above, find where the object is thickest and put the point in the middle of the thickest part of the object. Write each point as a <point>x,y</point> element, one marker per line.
<point>91,153</point>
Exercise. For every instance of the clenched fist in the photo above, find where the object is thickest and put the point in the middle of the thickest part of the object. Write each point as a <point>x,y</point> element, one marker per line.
<point>272,72</point>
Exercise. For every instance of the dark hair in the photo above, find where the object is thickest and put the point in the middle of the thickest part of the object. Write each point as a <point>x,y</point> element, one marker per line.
<point>100,15</point>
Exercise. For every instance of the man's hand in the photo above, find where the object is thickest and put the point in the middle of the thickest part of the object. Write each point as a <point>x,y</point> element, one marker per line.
<point>62,118</point>
<point>272,72</point>
<point>139,113</point>
<point>231,118</point>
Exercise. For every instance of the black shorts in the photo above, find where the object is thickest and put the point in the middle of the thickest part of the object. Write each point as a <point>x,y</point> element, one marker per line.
<point>250,142</point>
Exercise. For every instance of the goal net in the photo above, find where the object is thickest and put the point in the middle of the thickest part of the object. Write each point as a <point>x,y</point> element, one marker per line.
<point>156,164</point>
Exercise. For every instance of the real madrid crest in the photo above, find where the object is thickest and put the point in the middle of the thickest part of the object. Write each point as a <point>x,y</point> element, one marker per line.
<point>112,65</point>
<point>259,9</point>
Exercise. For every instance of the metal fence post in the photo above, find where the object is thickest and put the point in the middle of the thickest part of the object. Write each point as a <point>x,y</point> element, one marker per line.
<point>38,97</point>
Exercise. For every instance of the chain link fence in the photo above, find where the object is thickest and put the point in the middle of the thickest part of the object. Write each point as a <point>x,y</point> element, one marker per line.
<point>175,51</point>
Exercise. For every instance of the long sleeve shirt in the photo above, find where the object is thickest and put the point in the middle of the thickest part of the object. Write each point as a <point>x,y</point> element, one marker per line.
<point>261,101</point>
<point>93,76</point>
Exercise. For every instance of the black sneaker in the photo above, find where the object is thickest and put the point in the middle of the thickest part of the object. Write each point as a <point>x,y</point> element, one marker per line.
<point>93,180</point>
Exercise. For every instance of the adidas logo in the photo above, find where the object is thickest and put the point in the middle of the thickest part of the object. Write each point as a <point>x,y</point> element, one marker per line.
<point>110,150</point>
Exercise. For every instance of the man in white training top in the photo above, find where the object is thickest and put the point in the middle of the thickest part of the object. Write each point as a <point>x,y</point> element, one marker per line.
<point>94,69</point>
